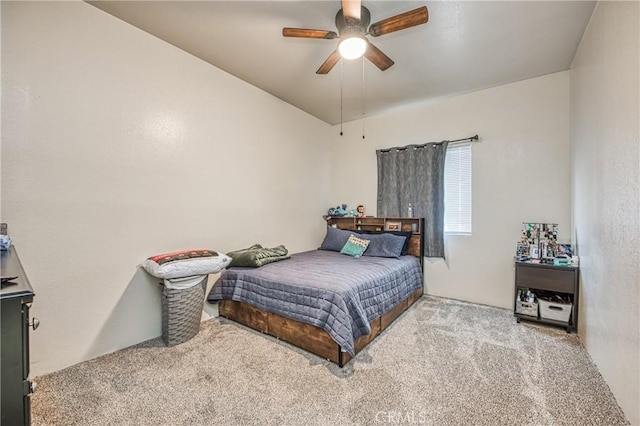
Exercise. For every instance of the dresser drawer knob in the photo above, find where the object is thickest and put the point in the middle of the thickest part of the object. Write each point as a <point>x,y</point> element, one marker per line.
<point>34,323</point>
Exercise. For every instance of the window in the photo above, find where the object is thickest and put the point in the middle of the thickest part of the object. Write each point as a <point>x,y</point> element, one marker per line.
<point>457,189</point>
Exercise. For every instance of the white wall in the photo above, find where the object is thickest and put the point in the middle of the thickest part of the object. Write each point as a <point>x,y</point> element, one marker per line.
<point>520,173</point>
<point>605,140</point>
<point>117,146</point>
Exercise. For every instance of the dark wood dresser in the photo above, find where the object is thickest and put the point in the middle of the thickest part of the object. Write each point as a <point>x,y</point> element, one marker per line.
<point>15,300</point>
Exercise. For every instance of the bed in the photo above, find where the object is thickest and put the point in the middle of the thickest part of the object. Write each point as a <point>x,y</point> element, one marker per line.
<point>323,301</point>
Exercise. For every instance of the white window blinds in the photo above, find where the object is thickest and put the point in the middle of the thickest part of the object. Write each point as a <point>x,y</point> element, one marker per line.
<point>457,189</point>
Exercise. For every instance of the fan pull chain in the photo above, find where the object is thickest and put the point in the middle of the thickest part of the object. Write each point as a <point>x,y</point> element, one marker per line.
<point>362,97</point>
<point>341,78</point>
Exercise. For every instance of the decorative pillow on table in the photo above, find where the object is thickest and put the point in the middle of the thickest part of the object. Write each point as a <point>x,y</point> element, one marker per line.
<point>355,246</point>
<point>186,263</point>
<point>335,239</point>
<point>385,245</point>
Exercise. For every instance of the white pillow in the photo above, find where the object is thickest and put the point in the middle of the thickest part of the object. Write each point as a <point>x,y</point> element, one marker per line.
<point>186,263</point>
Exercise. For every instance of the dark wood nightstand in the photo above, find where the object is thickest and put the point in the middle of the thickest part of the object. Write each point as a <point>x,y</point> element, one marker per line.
<point>546,277</point>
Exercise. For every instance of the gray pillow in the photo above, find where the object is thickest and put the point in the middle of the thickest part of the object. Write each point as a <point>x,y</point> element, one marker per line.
<point>384,245</point>
<point>335,239</point>
<point>407,235</point>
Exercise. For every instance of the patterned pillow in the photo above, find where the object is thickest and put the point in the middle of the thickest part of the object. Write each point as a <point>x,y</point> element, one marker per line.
<point>355,246</point>
<point>186,263</point>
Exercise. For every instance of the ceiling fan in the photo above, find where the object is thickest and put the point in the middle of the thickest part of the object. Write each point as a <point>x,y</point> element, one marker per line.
<point>352,22</point>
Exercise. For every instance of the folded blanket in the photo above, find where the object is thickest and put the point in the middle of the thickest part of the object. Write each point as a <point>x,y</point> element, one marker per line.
<point>256,256</point>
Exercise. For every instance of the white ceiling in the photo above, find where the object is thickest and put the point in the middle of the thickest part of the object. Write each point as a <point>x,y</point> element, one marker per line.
<point>465,46</point>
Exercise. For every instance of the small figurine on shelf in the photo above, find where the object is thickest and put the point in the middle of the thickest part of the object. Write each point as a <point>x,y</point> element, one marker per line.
<point>360,209</point>
<point>352,213</point>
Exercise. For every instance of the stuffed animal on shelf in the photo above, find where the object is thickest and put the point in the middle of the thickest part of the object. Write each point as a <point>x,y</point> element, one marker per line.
<point>338,211</point>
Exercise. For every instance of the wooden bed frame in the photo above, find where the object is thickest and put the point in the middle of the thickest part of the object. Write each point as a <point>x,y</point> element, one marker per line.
<point>315,339</point>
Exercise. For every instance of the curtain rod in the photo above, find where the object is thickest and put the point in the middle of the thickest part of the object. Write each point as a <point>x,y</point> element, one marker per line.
<point>402,148</point>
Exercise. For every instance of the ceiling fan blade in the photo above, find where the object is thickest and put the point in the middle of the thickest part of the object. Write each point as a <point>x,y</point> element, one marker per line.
<point>400,22</point>
<point>351,9</point>
<point>308,33</point>
<point>331,61</point>
<point>377,57</point>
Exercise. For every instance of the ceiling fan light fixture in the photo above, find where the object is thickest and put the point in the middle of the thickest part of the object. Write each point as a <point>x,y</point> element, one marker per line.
<point>352,47</point>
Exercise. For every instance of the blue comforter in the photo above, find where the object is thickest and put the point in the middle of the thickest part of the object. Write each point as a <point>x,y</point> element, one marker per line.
<point>335,292</point>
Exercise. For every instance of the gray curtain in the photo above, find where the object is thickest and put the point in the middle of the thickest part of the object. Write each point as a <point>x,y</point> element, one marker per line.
<point>415,174</point>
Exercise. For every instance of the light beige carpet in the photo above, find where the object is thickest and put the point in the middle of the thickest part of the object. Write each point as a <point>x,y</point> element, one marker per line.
<point>441,363</point>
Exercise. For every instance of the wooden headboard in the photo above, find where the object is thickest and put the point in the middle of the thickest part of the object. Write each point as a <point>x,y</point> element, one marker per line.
<point>415,225</point>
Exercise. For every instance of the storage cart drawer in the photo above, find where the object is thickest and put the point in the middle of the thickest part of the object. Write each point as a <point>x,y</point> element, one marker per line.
<point>555,311</point>
<point>545,279</point>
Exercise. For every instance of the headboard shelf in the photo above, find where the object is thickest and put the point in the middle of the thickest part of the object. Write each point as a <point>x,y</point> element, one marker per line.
<point>415,225</point>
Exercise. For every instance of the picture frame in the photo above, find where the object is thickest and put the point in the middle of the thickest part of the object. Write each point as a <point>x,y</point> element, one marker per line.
<point>522,249</point>
<point>392,225</point>
<point>564,249</point>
